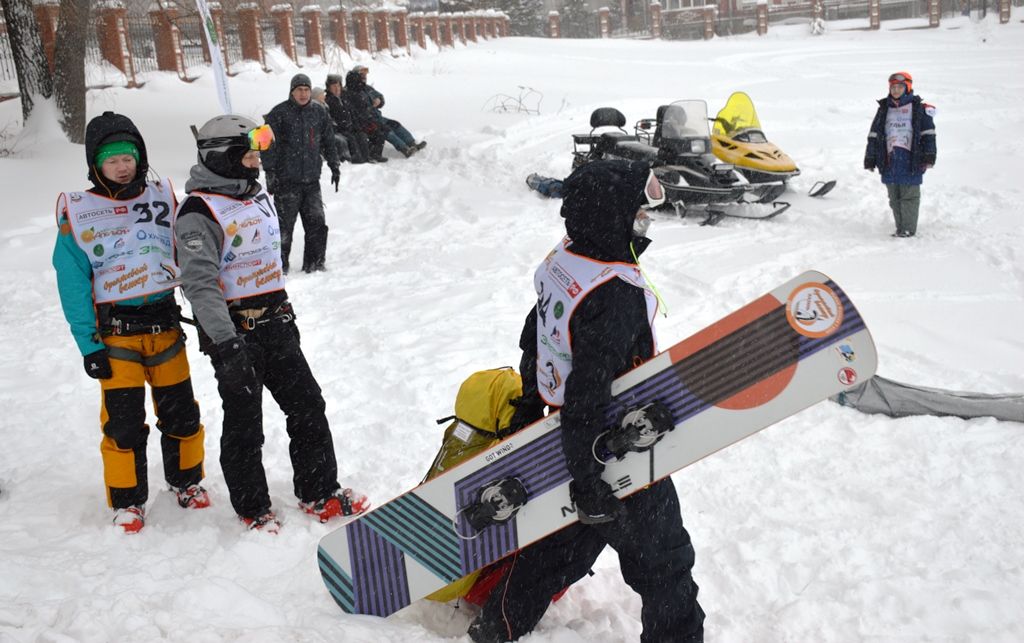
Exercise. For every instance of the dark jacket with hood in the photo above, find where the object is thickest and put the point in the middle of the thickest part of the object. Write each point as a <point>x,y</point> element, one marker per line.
<point>302,135</point>
<point>360,105</point>
<point>609,328</point>
<point>901,166</point>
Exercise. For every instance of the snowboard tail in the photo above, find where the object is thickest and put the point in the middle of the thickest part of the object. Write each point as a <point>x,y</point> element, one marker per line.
<point>789,349</point>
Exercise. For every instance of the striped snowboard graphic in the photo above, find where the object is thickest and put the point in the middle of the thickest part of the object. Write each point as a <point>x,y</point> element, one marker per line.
<point>787,350</point>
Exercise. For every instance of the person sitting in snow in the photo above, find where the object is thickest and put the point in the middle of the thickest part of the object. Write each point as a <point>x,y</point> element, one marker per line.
<point>231,274</point>
<point>116,281</point>
<point>353,145</point>
<point>610,323</point>
<point>394,132</point>
<point>901,144</point>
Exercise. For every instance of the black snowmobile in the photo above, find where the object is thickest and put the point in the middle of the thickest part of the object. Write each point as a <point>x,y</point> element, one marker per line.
<point>677,144</point>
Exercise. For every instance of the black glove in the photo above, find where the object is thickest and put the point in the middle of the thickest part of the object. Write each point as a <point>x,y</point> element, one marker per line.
<point>595,502</point>
<point>869,165</point>
<point>97,365</point>
<point>234,368</point>
<point>929,160</point>
<point>271,183</point>
<point>335,177</point>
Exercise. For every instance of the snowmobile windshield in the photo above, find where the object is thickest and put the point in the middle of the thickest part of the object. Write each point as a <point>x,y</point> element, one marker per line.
<point>685,119</point>
<point>737,115</point>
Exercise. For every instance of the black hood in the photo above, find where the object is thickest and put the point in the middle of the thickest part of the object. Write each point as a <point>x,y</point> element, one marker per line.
<point>354,81</point>
<point>109,127</point>
<point>599,203</point>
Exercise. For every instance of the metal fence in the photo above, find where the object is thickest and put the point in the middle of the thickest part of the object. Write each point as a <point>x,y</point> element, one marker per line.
<point>7,71</point>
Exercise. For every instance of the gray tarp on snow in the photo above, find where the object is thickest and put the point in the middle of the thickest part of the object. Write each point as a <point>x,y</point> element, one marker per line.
<point>880,395</point>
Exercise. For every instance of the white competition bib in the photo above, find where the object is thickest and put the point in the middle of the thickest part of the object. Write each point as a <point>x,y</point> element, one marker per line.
<point>562,282</point>
<point>899,127</point>
<point>128,242</point>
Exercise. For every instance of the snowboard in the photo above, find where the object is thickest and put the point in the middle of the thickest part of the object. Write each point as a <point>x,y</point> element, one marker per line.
<point>792,347</point>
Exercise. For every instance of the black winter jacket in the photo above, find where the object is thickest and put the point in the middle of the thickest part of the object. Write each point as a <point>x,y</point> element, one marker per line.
<point>365,115</point>
<point>341,116</point>
<point>609,328</point>
<point>302,134</point>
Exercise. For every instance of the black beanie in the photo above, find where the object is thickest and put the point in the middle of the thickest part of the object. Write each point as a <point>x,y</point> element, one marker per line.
<point>300,80</point>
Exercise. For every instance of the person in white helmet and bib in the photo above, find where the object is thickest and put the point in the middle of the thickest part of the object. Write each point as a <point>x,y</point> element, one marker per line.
<point>227,240</point>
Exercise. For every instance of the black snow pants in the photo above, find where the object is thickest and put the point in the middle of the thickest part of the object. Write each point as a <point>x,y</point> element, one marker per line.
<point>655,556</point>
<point>291,201</point>
<point>282,369</point>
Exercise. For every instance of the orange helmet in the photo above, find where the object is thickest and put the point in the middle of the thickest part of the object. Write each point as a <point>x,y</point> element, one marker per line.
<point>902,77</point>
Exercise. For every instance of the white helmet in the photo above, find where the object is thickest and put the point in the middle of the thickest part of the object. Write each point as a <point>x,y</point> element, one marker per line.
<point>222,142</point>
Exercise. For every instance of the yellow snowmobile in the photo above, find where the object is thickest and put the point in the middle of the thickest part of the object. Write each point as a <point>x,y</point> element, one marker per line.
<point>737,138</point>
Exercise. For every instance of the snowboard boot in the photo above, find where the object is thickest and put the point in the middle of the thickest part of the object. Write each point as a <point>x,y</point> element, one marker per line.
<point>267,523</point>
<point>192,497</point>
<point>343,502</point>
<point>407,152</point>
<point>130,519</point>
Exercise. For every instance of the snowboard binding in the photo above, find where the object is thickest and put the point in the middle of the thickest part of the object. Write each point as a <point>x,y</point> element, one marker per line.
<point>640,429</point>
<point>496,502</point>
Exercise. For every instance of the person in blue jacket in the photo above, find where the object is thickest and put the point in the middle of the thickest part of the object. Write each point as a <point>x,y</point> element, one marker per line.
<point>901,144</point>
<point>116,281</point>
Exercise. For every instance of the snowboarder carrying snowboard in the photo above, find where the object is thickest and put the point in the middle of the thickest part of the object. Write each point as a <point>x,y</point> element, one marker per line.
<point>901,144</point>
<point>226,241</point>
<point>116,281</point>
<point>594,321</point>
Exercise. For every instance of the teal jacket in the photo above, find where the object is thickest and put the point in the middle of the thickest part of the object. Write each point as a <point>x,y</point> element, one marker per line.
<point>74,284</point>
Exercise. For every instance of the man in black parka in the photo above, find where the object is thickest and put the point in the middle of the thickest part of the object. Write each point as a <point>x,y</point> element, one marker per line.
<point>302,135</point>
<point>600,327</point>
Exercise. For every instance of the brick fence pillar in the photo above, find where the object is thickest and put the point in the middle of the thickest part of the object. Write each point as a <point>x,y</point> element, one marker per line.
<point>416,25</point>
<point>470,28</point>
<point>447,37</point>
<point>312,15</point>
<point>709,20</point>
<point>503,27</point>
<point>284,29</point>
<point>250,34</point>
<point>339,26</point>
<point>934,13</point>
<point>46,18</point>
<point>481,27</point>
<point>460,26</point>
<point>762,18</point>
<point>361,20</point>
<point>817,10</point>
<point>113,37</point>
<point>380,30</point>
<point>1004,11</point>
<point>402,29</point>
<point>553,25</point>
<point>167,39</point>
<point>874,14</point>
<point>655,9</point>
<point>604,19</point>
<point>433,27</point>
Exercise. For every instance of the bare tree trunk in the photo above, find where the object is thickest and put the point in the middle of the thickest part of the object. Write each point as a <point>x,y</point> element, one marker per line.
<point>29,60</point>
<point>69,67</point>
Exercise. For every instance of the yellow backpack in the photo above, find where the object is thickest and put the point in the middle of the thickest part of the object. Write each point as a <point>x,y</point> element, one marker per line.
<point>484,408</point>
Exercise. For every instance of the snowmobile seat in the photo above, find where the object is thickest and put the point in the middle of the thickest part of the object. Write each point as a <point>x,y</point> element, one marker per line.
<point>636,151</point>
<point>604,117</point>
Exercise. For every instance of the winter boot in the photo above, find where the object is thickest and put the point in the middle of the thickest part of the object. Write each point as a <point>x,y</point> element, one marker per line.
<point>131,519</point>
<point>267,523</point>
<point>192,497</point>
<point>343,502</point>
<point>420,145</point>
<point>409,151</point>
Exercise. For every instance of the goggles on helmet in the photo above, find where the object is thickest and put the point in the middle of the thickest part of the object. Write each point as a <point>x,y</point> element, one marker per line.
<point>654,193</point>
<point>259,139</point>
<point>899,78</point>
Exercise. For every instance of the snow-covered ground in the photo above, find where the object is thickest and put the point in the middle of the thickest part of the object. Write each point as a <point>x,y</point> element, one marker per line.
<point>830,526</point>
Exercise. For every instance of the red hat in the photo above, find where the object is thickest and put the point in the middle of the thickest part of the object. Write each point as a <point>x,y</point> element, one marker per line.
<point>904,78</point>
